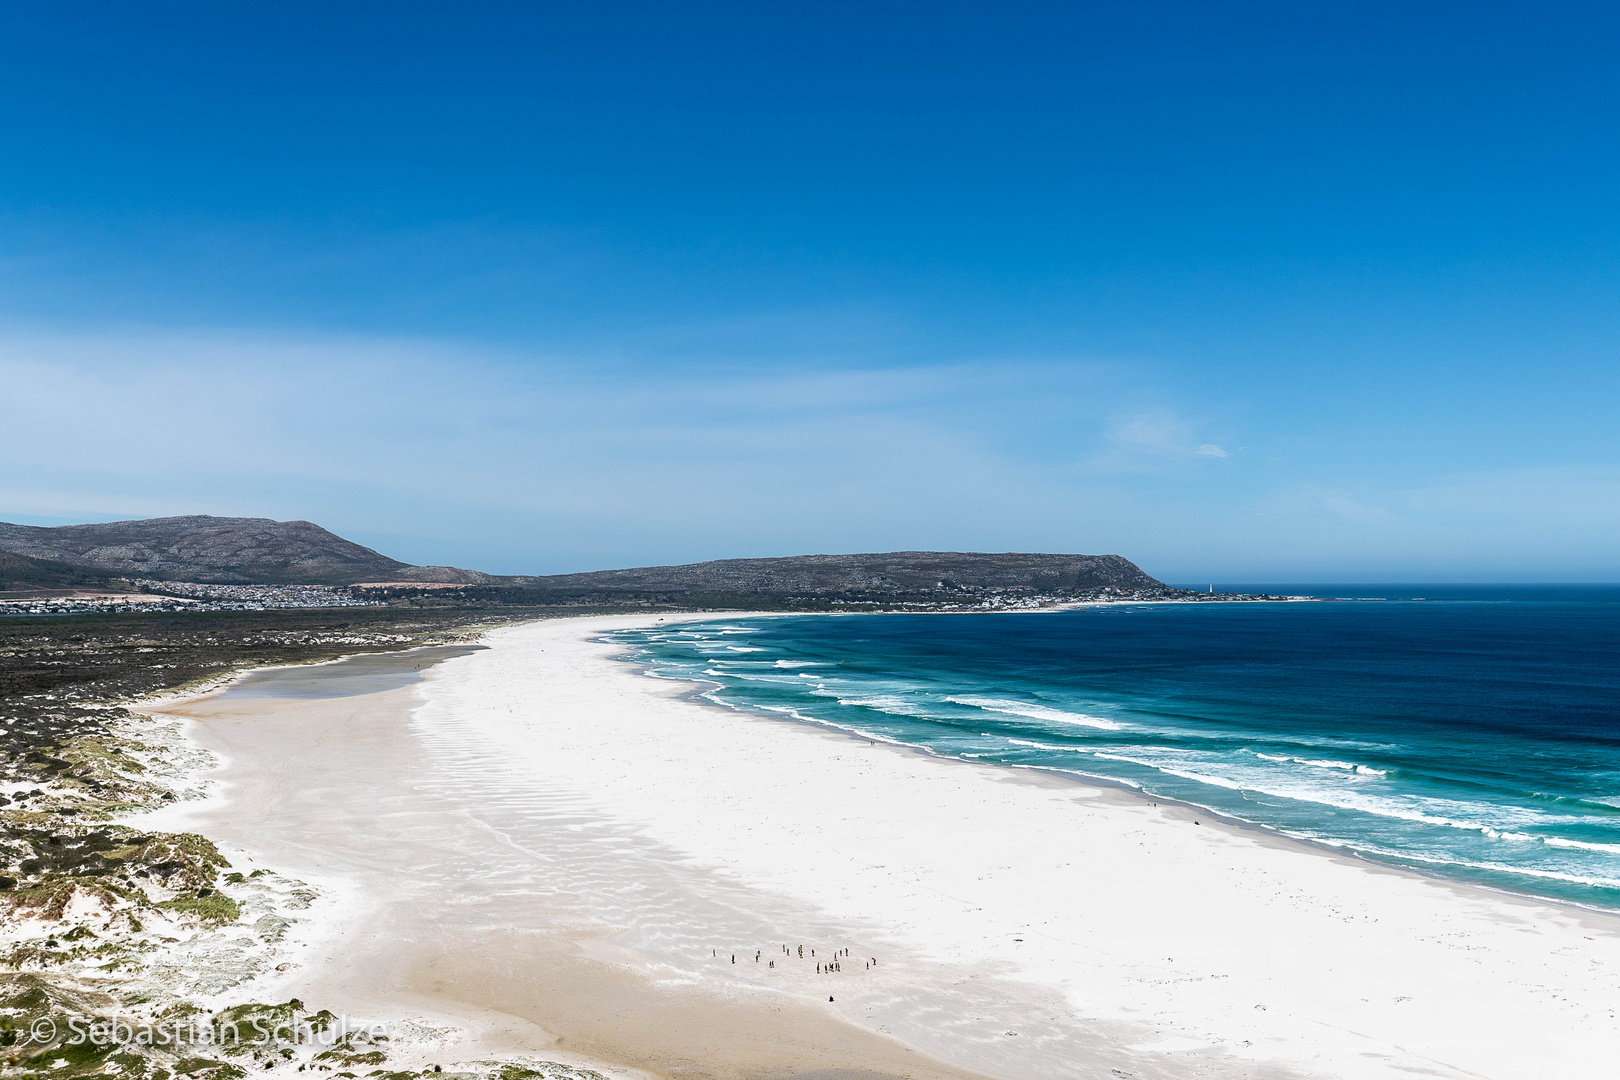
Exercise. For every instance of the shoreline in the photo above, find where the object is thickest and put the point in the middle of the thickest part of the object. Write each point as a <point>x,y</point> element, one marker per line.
<point>1092,1033</point>
<point>698,695</point>
<point>702,687</point>
<point>1090,780</point>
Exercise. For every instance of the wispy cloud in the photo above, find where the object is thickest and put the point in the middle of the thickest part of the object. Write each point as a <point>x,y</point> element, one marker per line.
<point>442,451</point>
<point>1151,442</point>
<point>1350,509</point>
<point>580,460</point>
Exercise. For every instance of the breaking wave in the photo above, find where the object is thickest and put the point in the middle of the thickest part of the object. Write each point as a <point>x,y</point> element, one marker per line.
<point>1037,712</point>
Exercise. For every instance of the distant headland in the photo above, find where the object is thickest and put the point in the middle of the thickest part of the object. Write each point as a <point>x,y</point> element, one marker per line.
<point>233,560</point>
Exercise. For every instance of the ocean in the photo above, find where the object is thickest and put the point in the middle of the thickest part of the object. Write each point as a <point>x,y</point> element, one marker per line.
<point>1469,731</point>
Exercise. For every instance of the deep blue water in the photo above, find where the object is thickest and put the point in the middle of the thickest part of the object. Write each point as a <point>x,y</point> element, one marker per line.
<point>1474,733</point>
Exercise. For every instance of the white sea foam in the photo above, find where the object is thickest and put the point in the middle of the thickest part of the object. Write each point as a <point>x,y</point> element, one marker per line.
<point>1104,777</point>
<point>1500,868</point>
<point>788,710</point>
<point>1580,845</point>
<point>892,704</point>
<point>1202,778</point>
<point>1037,712</point>
<point>1045,746</point>
<point>800,663</point>
<point>1344,766</point>
<point>1443,813</point>
<point>761,677</point>
<point>797,715</point>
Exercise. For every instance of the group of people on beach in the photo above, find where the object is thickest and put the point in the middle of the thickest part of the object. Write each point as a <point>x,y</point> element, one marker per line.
<point>823,967</point>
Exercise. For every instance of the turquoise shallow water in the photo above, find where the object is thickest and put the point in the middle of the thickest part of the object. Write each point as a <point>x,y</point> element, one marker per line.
<point>1474,732</point>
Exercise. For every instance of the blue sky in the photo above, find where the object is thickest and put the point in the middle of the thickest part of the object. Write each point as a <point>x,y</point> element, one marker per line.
<point>1240,291</point>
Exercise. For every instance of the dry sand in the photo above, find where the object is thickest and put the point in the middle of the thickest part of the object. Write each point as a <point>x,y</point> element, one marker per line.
<point>544,847</point>
<point>442,904</point>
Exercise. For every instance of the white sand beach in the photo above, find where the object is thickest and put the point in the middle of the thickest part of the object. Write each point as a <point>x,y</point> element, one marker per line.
<point>562,856</point>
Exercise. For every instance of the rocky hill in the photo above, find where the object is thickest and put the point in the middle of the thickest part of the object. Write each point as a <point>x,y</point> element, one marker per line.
<point>259,551</point>
<point>214,550</point>
<point>947,578</point>
<point>889,573</point>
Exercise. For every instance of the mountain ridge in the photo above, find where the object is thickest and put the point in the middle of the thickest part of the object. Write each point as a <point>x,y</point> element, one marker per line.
<point>885,572</point>
<point>205,549</point>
